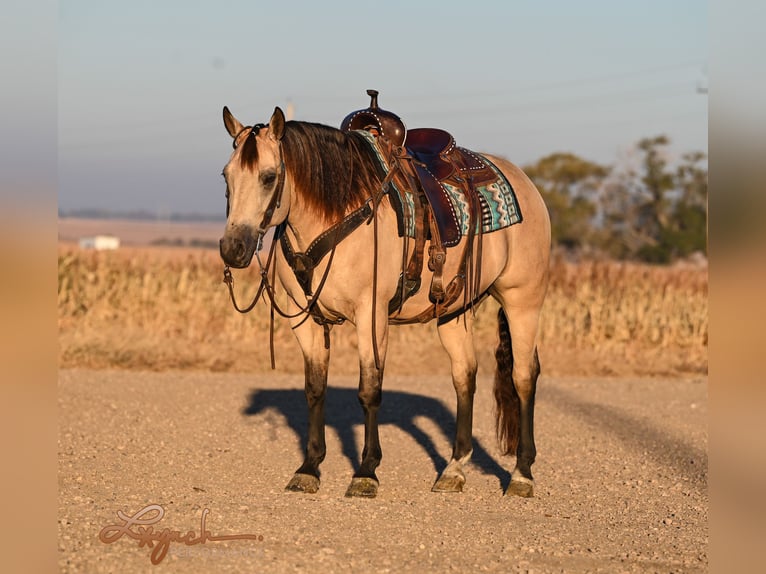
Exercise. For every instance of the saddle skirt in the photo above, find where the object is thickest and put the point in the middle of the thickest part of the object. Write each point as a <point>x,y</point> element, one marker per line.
<point>443,169</point>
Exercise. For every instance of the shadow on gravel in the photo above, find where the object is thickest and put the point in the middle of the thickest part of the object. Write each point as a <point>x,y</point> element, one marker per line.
<point>669,451</point>
<point>342,413</point>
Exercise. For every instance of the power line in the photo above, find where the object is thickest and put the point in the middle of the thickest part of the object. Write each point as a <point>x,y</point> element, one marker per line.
<point>618,98</point>
<point>520,88</point>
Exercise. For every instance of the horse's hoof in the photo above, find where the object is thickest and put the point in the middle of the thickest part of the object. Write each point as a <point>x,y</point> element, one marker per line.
<point>451,483</point>
<point>303,483</point>
<point>521,487</point>
<point>363,487</point>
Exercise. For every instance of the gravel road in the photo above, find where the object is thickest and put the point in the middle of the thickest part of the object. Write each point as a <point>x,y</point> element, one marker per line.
<point>621,477</point>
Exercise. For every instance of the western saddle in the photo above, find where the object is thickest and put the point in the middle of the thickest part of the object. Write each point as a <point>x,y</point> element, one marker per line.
<point>427,162</point>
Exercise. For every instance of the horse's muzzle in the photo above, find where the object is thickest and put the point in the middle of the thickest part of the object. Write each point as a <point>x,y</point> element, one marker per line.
<point>237,248</point>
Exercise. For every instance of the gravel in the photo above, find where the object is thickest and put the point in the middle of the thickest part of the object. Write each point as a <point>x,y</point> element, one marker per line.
<point>621,476</point>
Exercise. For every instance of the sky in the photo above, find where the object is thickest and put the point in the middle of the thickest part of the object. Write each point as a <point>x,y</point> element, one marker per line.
<point>141,84</point>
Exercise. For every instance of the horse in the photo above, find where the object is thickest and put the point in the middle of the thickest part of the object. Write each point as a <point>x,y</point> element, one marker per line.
<point>304,178</point>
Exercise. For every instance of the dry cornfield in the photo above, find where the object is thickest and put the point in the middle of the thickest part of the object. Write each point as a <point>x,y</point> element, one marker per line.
<point>150,308</point>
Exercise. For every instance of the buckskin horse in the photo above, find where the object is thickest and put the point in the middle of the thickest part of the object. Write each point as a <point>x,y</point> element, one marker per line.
<point>353,209</point>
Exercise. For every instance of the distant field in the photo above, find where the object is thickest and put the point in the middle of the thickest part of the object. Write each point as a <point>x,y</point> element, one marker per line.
<point>139,233</point>
<point>162,308</point>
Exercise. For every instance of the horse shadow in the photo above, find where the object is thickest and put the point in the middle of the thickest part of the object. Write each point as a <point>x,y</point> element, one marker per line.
<point>342,413</point>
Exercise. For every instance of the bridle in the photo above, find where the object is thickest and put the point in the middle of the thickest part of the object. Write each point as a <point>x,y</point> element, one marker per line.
<point>276,198</point>
<point>267,284</point>
<point>274,203</point>
<point>367,213</point>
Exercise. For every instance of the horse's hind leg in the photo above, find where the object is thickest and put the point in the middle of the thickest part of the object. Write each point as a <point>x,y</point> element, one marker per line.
<point>456,337</point>
<point>516,397</point>
<point>316,360</point>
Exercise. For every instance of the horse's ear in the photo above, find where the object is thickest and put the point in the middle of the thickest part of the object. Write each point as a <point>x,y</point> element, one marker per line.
<point>277,124</point>
<point>232,124</point>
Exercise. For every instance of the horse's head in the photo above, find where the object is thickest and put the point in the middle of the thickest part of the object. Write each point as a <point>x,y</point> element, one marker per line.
<point>255,181</point>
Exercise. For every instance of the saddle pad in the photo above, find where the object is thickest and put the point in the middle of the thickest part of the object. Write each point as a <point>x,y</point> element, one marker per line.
<point>499,206</point>
<point>399,199</point>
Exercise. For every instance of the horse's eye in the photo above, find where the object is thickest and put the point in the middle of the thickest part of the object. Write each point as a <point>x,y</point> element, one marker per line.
<point>268,178</point>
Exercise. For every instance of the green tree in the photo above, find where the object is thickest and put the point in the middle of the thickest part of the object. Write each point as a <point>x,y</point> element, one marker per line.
<point>687,230</point>
<point>656,215</point>
<point>654,207</point>
<point>569,185</point>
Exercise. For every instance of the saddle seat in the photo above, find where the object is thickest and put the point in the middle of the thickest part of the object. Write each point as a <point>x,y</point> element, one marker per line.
<point>428,145</point>
<point>438,163</point>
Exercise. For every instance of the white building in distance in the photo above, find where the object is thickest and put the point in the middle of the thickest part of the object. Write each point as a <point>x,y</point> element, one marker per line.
<point>100,242</point>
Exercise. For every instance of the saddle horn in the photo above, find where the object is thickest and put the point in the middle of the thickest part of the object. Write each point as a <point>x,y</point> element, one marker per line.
<point>374,118</point>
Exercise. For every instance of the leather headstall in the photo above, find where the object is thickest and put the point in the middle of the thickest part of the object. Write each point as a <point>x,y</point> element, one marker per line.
<point>276,199</point>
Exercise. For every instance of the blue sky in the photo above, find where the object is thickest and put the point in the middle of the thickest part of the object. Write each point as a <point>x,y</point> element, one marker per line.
<point>141,84</point>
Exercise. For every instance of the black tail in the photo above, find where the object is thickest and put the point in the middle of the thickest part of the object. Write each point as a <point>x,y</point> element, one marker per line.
<point>506,397</point>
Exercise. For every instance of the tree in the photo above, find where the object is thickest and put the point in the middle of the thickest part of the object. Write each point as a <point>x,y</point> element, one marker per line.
<point>656,215</point>
<point>653,210</point>
<point>687,231</point>
<point>569,185</point>
<point>619,204</point>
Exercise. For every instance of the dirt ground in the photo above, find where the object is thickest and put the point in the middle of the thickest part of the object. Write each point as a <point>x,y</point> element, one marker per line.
<point>621,477</point>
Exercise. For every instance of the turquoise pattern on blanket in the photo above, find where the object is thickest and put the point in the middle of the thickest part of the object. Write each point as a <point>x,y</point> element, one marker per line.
<point>499,206</point>
<point>405,199</point>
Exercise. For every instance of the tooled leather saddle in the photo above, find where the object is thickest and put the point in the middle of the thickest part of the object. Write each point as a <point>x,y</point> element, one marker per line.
<point>435,170</point>
<point>435,158</point>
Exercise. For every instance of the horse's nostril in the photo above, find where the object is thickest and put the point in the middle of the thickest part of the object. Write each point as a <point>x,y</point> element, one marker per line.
<point>236,248</point>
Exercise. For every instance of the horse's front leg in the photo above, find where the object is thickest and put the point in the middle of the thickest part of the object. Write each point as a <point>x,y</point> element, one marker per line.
<point>316,359</point>
<point>457,338</point>
<point>365,482</point>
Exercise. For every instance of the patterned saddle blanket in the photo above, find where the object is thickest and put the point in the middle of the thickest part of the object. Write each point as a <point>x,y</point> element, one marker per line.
<point>442,183</point>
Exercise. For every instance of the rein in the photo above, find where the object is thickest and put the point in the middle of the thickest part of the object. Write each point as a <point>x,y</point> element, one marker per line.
<point>274,203</point>
<point>267,285</point>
